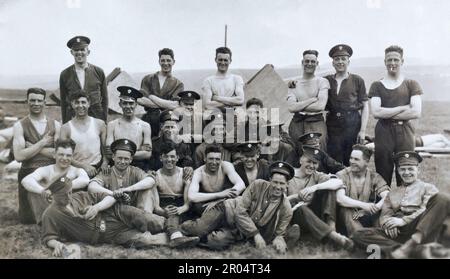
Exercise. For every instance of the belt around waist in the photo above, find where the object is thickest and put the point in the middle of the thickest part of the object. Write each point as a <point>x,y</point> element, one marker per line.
<point>343,113</point>
<point>394,122</point>
<point>304,115</point>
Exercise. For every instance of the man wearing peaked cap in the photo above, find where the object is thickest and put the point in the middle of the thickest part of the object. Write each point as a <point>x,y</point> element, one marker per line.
<point>83,76</point>
<point>78,42</point>
<point>262,213</point>
<point>160,90</point>
<point>326,164</point>
<point>170,131</point>
<point>347,105</point>
<point>306,99</point>
<point>312,193</point>
<point>130,127</point>
<point>412,214</point>
<point>127,183</point>
<point>251,167</point>
<point>191,120</point>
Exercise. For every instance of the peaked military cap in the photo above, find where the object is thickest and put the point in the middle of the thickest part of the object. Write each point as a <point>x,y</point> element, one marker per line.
<point>78,42</point>
<point>124,144</point>
<point>249,148</point>
<point>312,153</point>
<point>340,50</point>
<point>407,158</point>
<point>129,93</point>
<point>188,97</point>
<point>282,168</point>
<point>305,138</point>
<point>168,115</point>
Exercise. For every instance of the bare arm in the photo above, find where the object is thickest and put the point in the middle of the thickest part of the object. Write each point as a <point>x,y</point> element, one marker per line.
<point>146,102</point>
<point>144,184</point>
<point>414,110</point>
<point>31,181</point>
<point>162,103</point>
<point>364,117</point>
<point>345,201</point>
<point>234,177</point>
<point>81,181</point>
<point>322,99</point>
<point>332,184</point>
<point>145,151</point>
<point>383,196</point>
<point>194,194</point>
<point>380,112</point>
<point>95,187</point>
<point>21,152</point>
<point>294,106</point>
<point>106,203</point>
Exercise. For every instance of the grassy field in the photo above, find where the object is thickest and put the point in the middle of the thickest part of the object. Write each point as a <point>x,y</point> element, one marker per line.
<point>23,241</point>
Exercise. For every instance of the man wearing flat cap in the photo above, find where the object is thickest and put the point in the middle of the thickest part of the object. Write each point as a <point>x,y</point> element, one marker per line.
<point>251,167</point>
<point>306,99</point>
<point>170,131</point>
<point>83,76</point>
<point>33,146</point>
<point>261,214</point>
<point>312,196</point>
<point>394,101</point>
<point>128,183</point>
<point>412,214</point>
<point>347,106</point>
<point>326,164</point>
<point>160,90</point>
<point>361,200</point>
<point>130,127</point>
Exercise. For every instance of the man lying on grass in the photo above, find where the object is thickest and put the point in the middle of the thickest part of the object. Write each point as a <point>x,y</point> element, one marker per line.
<point>87,217</point>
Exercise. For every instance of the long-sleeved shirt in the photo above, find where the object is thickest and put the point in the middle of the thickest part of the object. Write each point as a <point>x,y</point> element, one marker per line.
<point>407,202</point>
<point>94,85</point>
<point>256,213</point>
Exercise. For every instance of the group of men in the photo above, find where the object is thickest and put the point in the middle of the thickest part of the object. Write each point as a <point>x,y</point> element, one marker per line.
<point>162,180</point>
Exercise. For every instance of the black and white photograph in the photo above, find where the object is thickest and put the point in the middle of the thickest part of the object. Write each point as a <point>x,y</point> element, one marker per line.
<point>216,130</point>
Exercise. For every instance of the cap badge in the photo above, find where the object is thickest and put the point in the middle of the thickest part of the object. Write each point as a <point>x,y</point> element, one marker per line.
<point>316,152</point>
<point>78,40</point>
<point>125,141</point>
<point>62,179</point>
<point>129,90</point>
<point>406,155</point>
<point>340,47</point>
<point>280,165</point>
<point>311,135</point>
<point>189,94</point>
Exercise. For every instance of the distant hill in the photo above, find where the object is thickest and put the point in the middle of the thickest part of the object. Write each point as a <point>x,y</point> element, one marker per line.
<point>434,79</point>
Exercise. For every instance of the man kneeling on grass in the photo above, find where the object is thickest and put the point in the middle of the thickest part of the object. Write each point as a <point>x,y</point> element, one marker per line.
<point>261,214</point>
<point>412,214</point>
<point>87,217</point>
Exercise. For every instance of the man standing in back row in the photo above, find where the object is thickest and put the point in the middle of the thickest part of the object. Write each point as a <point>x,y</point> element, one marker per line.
<point>160,90</point>
<point>394,101</point>
<point>346,98</point>
<point>307,97</point>
<point>83,76</point>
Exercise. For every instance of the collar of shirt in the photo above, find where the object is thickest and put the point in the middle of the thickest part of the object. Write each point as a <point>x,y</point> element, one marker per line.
<point>158,74</point>
<point>346,76</point>
<point>78,68</point>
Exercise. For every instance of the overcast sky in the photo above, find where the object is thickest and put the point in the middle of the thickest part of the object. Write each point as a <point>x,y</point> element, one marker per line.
<point>128,34</point>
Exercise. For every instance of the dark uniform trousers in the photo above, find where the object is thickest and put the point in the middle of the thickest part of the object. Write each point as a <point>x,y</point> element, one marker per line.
<point>124,226</point>
<point>391,137</point>
<point>342,128</point>
<point>429,223</point>
<point>348,226</point>
<point>173,221</point>
<point>213,228</point>
<point>31,205</point>
<point>313,217</point>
